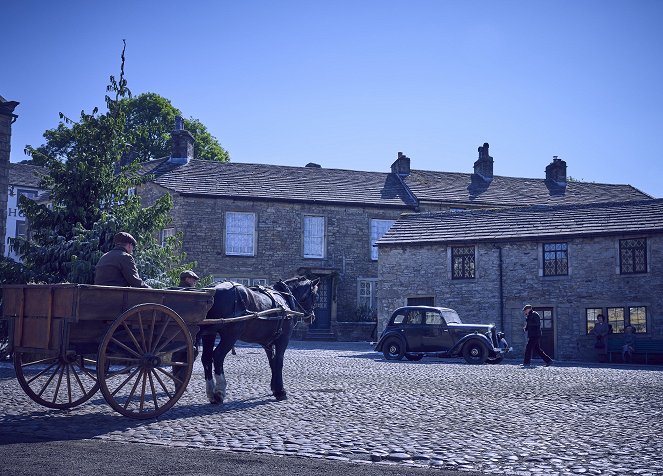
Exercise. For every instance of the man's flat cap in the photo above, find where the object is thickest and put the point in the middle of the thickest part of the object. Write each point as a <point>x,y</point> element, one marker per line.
<point>123,237</point>
<point>188,274</point>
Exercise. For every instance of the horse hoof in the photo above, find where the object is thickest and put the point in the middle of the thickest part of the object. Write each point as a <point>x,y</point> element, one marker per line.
<point>281,396</point>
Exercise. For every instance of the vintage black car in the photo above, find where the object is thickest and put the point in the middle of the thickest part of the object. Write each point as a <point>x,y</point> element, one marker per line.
<point>417,331</point>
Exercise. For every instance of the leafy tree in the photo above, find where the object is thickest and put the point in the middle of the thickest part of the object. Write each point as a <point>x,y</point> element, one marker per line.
<point>89,200</point>
<point>150,118</point>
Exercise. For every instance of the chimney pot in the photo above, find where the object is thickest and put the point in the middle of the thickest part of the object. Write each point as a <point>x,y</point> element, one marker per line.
<point>182,151</point>
<point>556,171</point>
<point>401,166</point>
<point>483,167</point>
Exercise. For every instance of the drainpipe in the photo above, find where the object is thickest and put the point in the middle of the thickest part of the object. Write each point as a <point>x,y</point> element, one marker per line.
<point>499,250</point>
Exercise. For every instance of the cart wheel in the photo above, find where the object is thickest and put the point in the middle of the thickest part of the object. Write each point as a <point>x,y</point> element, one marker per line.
<point>56,382</point>
<point>137,373</point>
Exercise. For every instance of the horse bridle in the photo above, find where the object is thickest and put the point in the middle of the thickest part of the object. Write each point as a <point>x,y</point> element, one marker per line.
<point>308,315</point>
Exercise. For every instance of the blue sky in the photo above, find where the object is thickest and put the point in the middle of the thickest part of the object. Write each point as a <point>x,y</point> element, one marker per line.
<point>348,83</point>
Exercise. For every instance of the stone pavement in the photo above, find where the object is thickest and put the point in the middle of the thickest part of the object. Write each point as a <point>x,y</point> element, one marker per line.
<point>345,402</point>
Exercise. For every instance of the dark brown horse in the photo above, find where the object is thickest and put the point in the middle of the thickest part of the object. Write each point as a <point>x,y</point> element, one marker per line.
<point>272,331</point>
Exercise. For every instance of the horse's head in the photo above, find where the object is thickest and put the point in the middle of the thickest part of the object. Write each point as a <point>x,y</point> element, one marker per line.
<point>305,293</point>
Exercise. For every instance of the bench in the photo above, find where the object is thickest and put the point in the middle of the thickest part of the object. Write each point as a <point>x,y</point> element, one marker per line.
<point>649,348</point>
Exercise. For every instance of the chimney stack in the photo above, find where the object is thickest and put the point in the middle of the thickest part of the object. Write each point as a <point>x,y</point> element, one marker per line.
<point>401,166</point>
<point>483,167</point>
<point>556,171</point>
<point>182,151</point>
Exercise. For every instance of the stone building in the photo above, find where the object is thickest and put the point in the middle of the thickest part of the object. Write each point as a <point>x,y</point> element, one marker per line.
<point>571,262</point>
<point>23,181</point>
<point>7,117</point>
<point>256,223</point>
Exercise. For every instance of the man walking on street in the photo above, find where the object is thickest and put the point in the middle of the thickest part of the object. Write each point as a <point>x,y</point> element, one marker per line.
<point>533,329</point>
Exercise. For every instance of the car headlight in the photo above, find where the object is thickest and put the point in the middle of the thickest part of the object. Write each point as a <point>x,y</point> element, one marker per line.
<point>500,335</point>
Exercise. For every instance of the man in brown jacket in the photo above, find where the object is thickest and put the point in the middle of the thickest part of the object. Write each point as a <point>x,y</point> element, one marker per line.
<point>117,267</point>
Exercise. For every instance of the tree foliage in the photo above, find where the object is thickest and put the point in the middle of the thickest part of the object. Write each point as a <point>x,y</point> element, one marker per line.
<point>90,198</point>
<point>149,120</point>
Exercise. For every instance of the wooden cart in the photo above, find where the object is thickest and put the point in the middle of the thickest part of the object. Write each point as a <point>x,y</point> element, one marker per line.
<point>136,345</point>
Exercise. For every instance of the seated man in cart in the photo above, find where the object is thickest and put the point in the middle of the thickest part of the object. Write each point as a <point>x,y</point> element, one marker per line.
<point>117,267</point>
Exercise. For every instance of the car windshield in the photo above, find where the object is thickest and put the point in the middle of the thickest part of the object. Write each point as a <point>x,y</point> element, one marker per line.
<point>451,316</point>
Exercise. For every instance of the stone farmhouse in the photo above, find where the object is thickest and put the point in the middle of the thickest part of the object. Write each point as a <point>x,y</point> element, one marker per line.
<point>23,180</point>
<point>571,262</point>
<point>256,223</point>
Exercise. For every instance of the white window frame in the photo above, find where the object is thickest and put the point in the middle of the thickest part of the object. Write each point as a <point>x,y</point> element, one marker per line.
<point>364,299</point>
<point>240,234</point>
<point>378,228</point>
<point>315,236</point>
<point>165,234</point>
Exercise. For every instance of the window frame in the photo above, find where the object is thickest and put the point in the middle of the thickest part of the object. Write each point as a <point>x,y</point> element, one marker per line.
<point>471,258</point>
<point>559,260</point>
<point>164,234</point>
<point>632,252</point>
<point>375,234</point>
<point>619,317</point>
<point>308,234</point>
<point>245,236</point>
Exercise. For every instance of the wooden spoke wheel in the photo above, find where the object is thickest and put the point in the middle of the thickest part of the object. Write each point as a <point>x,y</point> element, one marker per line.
<point>56,382</point>
<point>145,361</point>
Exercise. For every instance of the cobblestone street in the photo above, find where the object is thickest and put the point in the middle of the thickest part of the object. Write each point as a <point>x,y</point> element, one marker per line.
<point>346,402</point>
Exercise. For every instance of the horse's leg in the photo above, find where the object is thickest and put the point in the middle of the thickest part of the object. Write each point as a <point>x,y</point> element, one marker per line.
<point>277,353</point>
<point>219,389</point>
<point>207,359</point>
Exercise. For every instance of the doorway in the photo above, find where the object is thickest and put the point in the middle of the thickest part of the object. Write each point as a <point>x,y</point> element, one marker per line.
<point>547,330</point>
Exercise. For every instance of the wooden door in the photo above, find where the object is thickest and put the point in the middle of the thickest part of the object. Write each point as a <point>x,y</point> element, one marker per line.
<point>547,330</point>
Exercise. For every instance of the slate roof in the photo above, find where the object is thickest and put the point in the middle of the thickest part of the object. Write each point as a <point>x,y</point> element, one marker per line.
<point>25,175</point>
<point>276,182</point>
<point>524,223</point>
<point>469,189</point>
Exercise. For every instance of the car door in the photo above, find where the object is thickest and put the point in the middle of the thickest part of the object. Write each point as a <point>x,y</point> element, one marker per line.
<point>437,337</point>
<point>415,330</point>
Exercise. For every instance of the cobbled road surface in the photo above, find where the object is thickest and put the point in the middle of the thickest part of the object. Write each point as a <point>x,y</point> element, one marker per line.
<point>346,403</point>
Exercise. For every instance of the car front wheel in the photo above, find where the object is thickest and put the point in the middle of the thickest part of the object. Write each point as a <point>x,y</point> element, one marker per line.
<point>474,353</point>
<point>393,349</point>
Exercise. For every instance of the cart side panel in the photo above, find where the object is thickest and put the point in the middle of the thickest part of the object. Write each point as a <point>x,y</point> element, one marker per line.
<point>39,313</point>
<point>109,302</point>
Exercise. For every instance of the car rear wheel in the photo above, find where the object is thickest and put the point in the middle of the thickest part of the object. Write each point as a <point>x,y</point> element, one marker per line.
<point>414,357</point>
<point>393,349</point>
<point>474,353</point>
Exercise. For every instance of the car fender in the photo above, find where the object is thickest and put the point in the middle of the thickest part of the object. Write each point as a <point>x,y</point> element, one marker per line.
<point>457,349</point>
<point>384,337</point>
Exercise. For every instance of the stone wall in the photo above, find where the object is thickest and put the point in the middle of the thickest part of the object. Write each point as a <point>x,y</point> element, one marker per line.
<point>279,252</point>
<point>593,281</point>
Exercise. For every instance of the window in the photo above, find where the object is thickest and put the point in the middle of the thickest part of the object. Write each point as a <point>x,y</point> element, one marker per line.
<point>366,300</point>
<point>242,281</point>
<point>164,235</point>
<point>21,229</point>
<point>314,237</point>
<point>462,262</point>
<point>633,256</point>
<point>591,314</point>
<point>619,318</point>
<point>616,318</point>
<point>434,319</point>
<point>378,228</point>
<point>240,233</point>
<point>555,259</point>
<point>637,317</point>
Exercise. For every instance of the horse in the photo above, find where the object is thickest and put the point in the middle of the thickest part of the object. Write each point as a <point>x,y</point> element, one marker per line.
<point>271,331</point>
